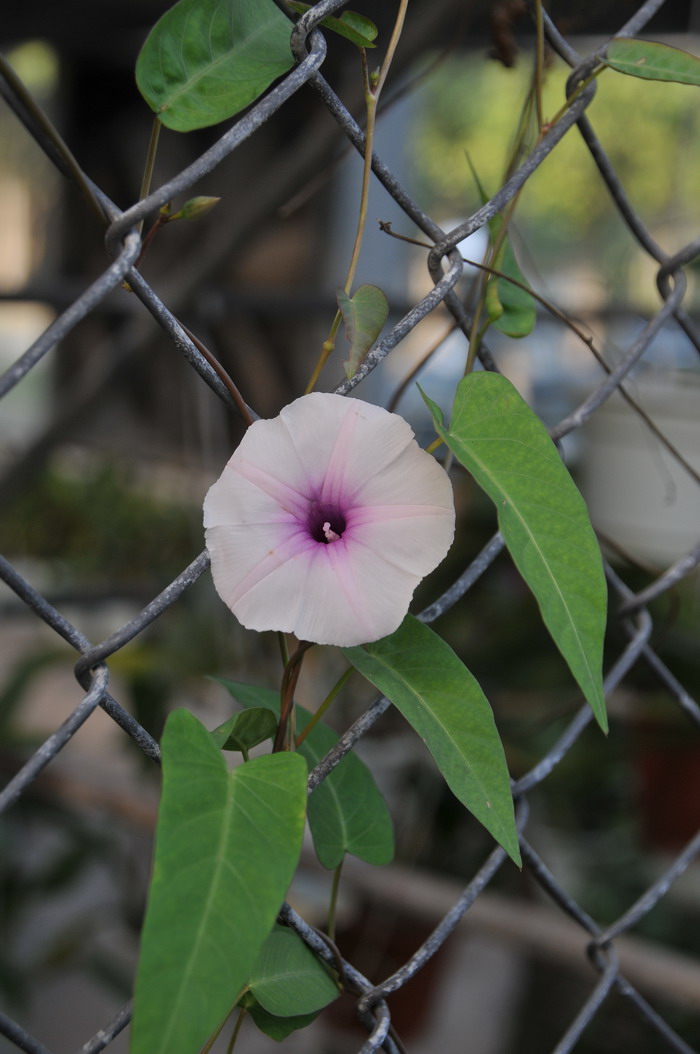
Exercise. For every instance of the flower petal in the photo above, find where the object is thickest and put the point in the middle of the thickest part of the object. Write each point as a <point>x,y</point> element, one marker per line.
<point>394,499</point>
<point>345,440</point>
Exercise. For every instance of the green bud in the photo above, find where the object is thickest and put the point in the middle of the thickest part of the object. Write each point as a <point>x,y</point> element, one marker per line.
<point>194,208</point>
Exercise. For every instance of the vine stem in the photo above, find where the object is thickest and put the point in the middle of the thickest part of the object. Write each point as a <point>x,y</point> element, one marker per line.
<point>289,683</point>
<point>340,684</point>
<point>333,904</point>
<point>372,89</point>
<point>150,162</point>
<point>236,1031</point>
<point>539,63</point>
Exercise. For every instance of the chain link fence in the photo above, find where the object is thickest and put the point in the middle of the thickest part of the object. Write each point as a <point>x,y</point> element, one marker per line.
<point>632,630</point>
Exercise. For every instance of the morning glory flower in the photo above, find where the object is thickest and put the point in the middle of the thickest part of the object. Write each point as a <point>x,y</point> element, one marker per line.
<point>325,520</point>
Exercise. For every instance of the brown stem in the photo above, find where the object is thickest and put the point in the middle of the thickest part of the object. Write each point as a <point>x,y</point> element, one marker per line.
<point>289,683</point>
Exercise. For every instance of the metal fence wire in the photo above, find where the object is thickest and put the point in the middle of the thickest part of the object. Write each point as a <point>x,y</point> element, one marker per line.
<point>630,610</point>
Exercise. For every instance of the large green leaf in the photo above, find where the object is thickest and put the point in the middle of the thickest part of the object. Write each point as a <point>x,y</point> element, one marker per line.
<point>652,61</point>
<point>346,812</point>
<point>438,696</point>
<point>227,844</point>
<point>287,979</point>
<point>205,60</point>
<point>543,518</point>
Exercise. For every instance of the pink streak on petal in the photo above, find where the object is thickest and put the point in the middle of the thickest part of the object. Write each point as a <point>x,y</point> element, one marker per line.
<point>387,513</point>
<point>333,611</point>
<point>340,557</point>
<point>242,559</point>
<point>333,489</point>
<point>288,497</point>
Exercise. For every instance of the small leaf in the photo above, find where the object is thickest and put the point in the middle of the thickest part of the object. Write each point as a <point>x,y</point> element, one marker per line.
<point>246,730</point>
<point>356,28</point>
<point>227,844</point>
<point>346,812</point>
<point>205,60</point>
<point>441,700</point>
<point>194,208</point>
<point>652,61</point>
<point>542,516</point>
<point>288,979</point>
<point>364,315</point>
<point>510,308</point>
<point>278,1028</point>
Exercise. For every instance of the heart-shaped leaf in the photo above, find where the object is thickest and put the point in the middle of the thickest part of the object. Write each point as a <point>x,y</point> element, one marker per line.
<point>277,1028</point>
<point>227,845</point>
<point>441,700</point>
<point>205,60</point>
<point>543,518</point>
<point>287,979</point>
<point>346,812</point>
<point>364,314</point>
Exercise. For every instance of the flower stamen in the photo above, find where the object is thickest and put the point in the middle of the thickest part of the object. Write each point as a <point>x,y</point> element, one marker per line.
<point>331,536</point>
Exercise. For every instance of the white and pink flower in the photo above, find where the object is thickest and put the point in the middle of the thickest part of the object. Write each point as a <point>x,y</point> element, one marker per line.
<point>325,520</point>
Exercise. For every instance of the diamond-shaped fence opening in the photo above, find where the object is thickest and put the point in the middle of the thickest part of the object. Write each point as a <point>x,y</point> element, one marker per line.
<point>132,381</point>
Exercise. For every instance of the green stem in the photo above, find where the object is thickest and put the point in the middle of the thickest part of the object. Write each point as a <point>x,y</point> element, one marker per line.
<point>337,687</point>
<point>31,105</point>
<point>539,63</point>
<point>434,445</point>
<point>150,162</point>
<point>215,1035</point>
<point>284,650</point>
<point>574,95</point>
<point>334,900</point>
<point>234,1035</point>
<point>372,92</point>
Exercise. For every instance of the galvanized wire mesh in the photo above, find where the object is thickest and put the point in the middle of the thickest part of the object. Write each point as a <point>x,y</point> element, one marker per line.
<point>630,610</point>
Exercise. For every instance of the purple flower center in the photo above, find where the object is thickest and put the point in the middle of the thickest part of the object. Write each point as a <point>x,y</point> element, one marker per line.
<point>325,522</point>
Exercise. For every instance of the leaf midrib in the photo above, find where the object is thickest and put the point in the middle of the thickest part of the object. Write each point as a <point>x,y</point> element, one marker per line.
<point>450,439</point>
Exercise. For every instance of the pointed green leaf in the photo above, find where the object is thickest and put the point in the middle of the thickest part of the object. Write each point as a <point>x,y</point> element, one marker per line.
<point>652,61</point>
<point>277,1028</point>
<point>356,28</point>
<point>227,845</point>
<point>346,812</point>
<point>287,979</point>
<point>543,518</point>
<point>364,314</point>
<point>246,730</point>
<point>441,700</point>
<point>205,60</point>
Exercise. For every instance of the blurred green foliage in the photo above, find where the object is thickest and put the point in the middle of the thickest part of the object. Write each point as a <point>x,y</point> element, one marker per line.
<point>96,525</point>
<point>650,130</point>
